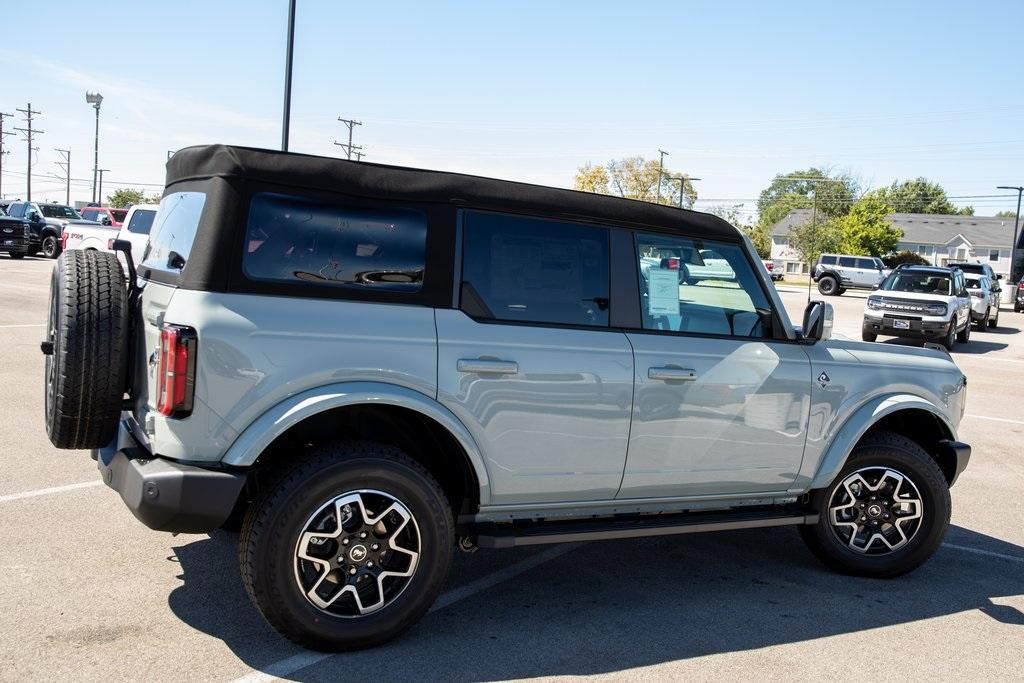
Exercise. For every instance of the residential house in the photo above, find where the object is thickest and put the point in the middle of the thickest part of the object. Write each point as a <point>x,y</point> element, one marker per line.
<point>937,237</point>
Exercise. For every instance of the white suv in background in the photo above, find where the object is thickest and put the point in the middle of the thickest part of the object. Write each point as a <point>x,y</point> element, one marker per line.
<point>984,300</point>
<point>835,273</point>
<point>920,302</point>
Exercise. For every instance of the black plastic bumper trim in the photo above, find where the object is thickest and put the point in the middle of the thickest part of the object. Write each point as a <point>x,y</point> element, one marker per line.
<point>166,495</point>
<point>961,454</point>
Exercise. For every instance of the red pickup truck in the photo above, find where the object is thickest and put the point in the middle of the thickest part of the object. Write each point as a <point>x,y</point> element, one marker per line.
<point>105,215</point>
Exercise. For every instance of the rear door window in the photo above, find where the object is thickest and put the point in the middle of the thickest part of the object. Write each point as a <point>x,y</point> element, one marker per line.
<point>174,232</point>
<point>847,262</point>
<point>523,269</point>
<point>142,221</point>
<point>335,244</point>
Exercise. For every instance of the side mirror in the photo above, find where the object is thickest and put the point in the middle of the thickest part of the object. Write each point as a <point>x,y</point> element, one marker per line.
<point>998,276</point>
<point>817,321</point>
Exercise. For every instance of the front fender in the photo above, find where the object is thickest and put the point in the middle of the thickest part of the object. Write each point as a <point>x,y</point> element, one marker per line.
<point>860,422</point>
<point>286,414</point>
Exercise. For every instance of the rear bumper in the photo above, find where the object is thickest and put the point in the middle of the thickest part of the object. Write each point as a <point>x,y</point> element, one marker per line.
<point>959,452</point>
<point>166,495</point>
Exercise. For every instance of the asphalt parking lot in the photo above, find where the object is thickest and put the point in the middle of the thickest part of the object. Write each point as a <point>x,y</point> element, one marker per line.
<point>89,593</point>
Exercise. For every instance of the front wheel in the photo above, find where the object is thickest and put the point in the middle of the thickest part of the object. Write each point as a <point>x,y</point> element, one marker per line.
<point>827,285</point>
<point>886,513</point>
<point>16,255</point>
<point>348,549</point>
<point>868,336</point>
<point>51,247</point>
<point>964,335</point>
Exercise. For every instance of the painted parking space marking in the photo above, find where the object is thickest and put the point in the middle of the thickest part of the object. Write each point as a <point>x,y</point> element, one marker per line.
<point>48,491</point>
<point>995,419</point>
<point>286,667</point>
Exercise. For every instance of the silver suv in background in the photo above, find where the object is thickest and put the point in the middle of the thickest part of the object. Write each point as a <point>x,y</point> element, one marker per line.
<point>984,300</point>
<point>835,273</point>
<point>920,302</point>
<point>364,367</point>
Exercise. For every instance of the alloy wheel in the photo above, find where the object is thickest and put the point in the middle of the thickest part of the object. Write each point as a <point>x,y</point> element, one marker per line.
<point>357,553</point>
<point>875,510</point>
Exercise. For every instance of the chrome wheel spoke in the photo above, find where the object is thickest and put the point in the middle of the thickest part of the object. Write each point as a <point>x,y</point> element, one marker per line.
<point>366,544</point>
<point>875,510</point>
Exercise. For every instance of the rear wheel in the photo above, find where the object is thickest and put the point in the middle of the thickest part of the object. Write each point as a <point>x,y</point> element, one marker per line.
<point>51,247</point>
<point>886,513</point>
<point>993,322</point>
<point>86,349</point>
<point>828,285</point>
<point>348,549</point>
<point>984,322</point>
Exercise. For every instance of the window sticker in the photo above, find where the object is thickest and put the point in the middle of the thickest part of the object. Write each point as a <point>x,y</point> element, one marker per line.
<point>663,292</point>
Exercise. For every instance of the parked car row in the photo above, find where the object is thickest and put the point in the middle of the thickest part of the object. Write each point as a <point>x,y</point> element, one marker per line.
<point>933,303</point>
<point>27,228</point>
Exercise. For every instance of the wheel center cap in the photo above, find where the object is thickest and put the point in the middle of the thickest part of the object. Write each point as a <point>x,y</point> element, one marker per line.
<point>357,554</point>
<point>874,510</point>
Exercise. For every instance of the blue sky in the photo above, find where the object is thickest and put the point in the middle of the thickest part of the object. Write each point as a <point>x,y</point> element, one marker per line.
<point>735,91</point>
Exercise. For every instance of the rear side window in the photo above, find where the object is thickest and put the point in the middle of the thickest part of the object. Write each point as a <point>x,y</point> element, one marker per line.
<point>847,262</point>
<point>866,263</point>
<point>173,234</point>
<point>142,221</point>
<point>294,239</point>
<point>522,269</point>
<point>118,214</point>
<point>828,260</point>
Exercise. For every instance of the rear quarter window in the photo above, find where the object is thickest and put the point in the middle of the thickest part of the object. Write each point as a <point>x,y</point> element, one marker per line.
<point>335,244</point>
<point>828,260</point>
<point>173,233</point>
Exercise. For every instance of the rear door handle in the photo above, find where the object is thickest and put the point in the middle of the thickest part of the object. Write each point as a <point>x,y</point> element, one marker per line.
<point>672,373</point>
<point>488,367</point>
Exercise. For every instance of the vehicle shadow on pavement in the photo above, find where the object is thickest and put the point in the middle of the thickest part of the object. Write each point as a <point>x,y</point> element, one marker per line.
<point>974,347</point>
<point>610,606</point>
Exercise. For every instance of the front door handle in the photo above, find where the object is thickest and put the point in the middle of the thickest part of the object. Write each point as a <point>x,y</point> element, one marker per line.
<point>672,373</point>
<point>488,367</point>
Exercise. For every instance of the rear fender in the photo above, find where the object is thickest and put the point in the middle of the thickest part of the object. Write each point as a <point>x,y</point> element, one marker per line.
<point>288,413</point>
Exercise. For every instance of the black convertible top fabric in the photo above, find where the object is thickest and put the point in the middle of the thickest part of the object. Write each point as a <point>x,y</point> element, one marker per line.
<point>379,181</point>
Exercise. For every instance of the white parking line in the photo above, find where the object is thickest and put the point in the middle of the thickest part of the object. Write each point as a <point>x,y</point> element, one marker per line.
<point>986,553</point>
<point>46,492</point>
<point>25,325</point>
<point>996,419</point>
<point>285,667</point>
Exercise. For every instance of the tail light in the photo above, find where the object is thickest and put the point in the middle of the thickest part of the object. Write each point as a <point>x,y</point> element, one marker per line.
<point>769,265</point>
<point>63,241</point>
<point>671,263</point>
<point>176,371</point>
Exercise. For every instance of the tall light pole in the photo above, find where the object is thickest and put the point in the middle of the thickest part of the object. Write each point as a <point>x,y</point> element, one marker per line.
<point>286,117</point>
<point>1016,225</point>
<point>95,99</point>
<point>100,172</point>
<point>66,166</point>
<point>661,170</point>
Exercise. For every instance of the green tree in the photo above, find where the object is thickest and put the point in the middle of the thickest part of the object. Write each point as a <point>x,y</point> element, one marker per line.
<point>1006,214</point>
<point>126,197</point>
<point>866,228</point>
<point>761,239</point>
<point>635,178</point>
<point>911,257</point>
<point>811,241</point>
<point>919,195</point>
<point>795,190</point>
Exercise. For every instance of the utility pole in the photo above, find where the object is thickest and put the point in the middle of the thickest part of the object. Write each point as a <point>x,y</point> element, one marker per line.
<point>66,165</point>
<point>2,152</point>
<point>95,99</point>
<point>29,134</point>
<point>287,115</point>
<point>682,186</point>
<point>1016,225</point>
<point>661,170</point>
<point>359,155</point>
<point>101,171</point>
<point>349,149</point>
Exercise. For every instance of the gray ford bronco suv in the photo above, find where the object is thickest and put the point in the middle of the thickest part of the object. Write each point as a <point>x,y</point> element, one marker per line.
<point>365,367</point>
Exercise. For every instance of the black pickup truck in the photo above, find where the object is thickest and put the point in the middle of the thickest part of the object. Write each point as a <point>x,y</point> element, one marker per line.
<point>15,235</point>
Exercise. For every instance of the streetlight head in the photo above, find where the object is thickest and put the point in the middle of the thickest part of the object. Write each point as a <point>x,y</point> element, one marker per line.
<point>1009,187</point>
<point>94,98</point>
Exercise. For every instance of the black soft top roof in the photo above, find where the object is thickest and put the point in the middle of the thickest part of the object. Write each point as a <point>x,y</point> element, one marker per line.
<point>370,180</point>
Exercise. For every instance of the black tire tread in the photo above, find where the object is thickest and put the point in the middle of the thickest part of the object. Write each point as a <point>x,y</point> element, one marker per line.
<point>90,349</point>
<point>934,480</point>
<point>279,486</point>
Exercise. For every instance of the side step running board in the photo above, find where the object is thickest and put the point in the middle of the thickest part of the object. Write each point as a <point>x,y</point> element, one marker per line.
<point>536,533</point>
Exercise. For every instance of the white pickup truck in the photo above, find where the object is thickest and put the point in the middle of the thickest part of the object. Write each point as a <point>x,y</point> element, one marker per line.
<point>135,229</point>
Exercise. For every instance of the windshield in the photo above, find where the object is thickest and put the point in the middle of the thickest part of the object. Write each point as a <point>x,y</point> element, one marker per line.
<point>58,211</point>
<point>918,283</point>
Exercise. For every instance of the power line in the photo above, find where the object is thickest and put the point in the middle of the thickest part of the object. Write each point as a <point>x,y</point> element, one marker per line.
<point>66,165</point>
<point>351,123</point>
<point>29,133</point>
<point>2,152</point>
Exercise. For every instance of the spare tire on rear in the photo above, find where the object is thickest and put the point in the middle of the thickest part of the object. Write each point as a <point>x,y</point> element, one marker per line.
<point>87,347</point>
